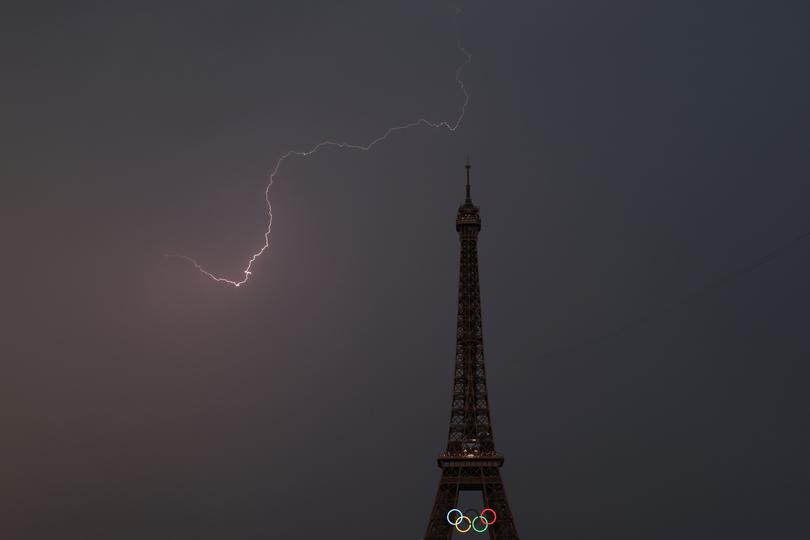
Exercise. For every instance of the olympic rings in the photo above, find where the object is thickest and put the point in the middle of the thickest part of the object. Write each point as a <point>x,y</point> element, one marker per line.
<point>471,523</point>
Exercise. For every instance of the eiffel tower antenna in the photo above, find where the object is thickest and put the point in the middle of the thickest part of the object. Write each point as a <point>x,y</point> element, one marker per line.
<point>468,200</point>
<point>470,462</point>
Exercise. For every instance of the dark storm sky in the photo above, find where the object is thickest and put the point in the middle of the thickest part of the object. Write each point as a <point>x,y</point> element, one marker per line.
<point>631,160</point>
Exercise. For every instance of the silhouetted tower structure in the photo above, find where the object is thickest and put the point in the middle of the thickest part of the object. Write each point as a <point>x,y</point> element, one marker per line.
<point>470,462</point>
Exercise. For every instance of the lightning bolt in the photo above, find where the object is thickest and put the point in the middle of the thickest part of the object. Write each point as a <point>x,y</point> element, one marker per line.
<point>451,126</point>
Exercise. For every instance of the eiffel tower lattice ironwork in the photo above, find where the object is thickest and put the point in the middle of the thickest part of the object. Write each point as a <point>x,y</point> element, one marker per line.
<point>470,462</point>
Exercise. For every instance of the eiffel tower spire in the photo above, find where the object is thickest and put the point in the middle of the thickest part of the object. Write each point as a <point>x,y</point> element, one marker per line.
<point>470,462</point>
<point>467,166</point>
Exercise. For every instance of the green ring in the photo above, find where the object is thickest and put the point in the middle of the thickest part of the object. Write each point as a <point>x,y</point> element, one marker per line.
<point>486,524</point>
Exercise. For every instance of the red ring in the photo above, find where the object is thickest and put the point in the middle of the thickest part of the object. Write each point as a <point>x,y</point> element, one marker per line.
<point>494,515</point>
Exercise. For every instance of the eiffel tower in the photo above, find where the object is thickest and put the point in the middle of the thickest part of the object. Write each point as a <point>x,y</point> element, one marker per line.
<point>470,462</point>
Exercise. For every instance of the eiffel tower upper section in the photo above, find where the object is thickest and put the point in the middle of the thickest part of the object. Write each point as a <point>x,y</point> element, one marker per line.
<point>470,426</point>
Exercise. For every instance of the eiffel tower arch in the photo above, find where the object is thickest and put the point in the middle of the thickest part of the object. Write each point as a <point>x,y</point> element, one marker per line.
<point>470,462</point>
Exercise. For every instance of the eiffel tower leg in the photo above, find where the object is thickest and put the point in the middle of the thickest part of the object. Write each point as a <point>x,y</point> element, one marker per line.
<point>495,498</point>
<point>446,498</point>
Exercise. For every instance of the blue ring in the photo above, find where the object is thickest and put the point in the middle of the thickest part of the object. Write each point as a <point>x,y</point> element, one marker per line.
<point>456,522</point>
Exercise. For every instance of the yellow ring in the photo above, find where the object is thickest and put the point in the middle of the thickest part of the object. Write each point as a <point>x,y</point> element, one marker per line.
<point>462,518</point>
